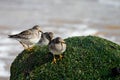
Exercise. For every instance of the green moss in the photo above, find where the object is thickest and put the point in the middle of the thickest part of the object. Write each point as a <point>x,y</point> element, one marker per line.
<point>86,58</point>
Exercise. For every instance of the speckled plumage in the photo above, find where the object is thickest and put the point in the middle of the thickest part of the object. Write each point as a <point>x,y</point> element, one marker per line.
<point>29,37</point>
<point>45,38</point>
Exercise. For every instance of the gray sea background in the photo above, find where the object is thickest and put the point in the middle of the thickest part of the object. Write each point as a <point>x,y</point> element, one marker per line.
<point>65,18</point>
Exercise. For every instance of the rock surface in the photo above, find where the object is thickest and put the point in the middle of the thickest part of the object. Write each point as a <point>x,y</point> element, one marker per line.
<point>86,58</point>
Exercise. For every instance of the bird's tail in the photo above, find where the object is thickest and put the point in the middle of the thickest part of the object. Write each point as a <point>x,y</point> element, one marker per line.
<point>12,36</point>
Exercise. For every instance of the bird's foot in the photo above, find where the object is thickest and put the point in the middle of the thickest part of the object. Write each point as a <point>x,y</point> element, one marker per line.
<point>30,49</point>
<point>60,57</point>
<point>54,61</point>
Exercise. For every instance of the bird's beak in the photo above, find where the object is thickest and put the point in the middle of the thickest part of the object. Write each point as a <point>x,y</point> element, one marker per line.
<point>62,41</point>
<point>40,31</point>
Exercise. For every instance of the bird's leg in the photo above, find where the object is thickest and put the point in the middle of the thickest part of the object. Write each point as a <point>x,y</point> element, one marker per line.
<point>54,59</point>
<point>25,47</point>
<point>60,56</point>
<point>30,48</point>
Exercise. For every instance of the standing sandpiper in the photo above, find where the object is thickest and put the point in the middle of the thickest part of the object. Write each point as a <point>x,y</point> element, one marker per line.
<point>57,46</point>
<point>28,38</point>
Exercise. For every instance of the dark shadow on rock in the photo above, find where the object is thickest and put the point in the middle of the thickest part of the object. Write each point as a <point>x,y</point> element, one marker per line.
<point>33,60</point>
<point>115,71</point>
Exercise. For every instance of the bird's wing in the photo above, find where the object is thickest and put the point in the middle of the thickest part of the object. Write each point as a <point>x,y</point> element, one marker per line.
<point>42,38</point>
<point>48,36</point>
<point>27,34</point>
<point>51,44</point>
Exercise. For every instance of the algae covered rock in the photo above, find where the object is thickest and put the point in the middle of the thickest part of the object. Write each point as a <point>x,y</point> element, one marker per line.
<point>86,58</point>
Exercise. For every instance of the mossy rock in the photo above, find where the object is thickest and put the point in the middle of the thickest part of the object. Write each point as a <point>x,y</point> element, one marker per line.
<point>86,58</point>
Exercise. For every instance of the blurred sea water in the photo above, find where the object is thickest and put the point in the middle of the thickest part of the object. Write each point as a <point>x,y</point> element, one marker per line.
<point>65,18</point>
